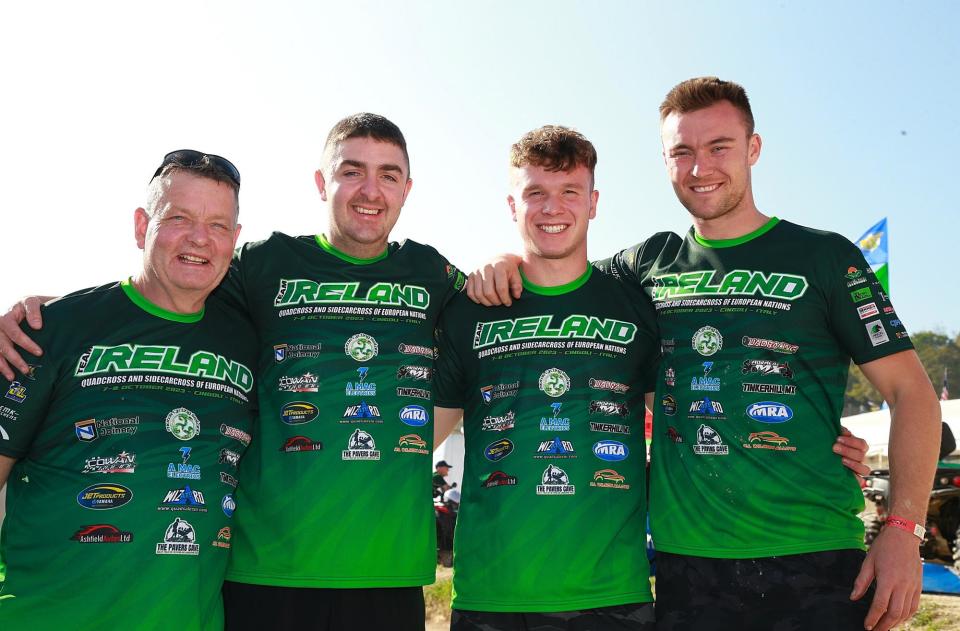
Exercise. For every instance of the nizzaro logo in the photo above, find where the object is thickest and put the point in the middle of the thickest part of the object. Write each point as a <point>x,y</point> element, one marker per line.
<point>182,423</point>
<point>300,443</point>
<point>499,478</point>
<point>554,382</point>
<point>361,347</point>
<point>104,496</point>
<point>421,373</point>
<point>609,479</point>
<point>707,341</point>
<point>770,345</point>
<point>705,408</point>
<point>610,450</point>
<point>163,359</point>
<point>414,415</point>
<point>542,327</point>
<point>498,450</point>
<point>360,413</point>
<point>769,412</point>
<point>185,499</point>
<point>555,448</point>
<point>121,463</point>
<point>101,533</point>
<point>302,291</point>
<point>298,412</point>
<point>738,281</point>
<point>498,423</point>
<point>766,367</point>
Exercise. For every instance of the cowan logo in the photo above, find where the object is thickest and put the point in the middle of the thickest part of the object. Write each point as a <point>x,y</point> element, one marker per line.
<point>302,291</point>
<point>769,412</point>
<point>738,281</point>
<point>543,327</point>
<point>163,359</point>
<point>414,416</point>
<point>610,450</point>
<point>104,496</point>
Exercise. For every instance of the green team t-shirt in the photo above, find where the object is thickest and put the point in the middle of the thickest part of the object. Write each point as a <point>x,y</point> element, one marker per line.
<point>553,512</point>
<point>757,336</point>
<point>127,434</point>
<point>338,477</point>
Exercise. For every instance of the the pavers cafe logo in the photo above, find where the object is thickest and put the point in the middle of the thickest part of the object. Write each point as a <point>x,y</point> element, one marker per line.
<point>179,538</point>
<point>555,481</point>
<point>738,281</point>
<point>165,360</point>
<point>302,291</point>
<point>543,327</point>
<point>360,446</point>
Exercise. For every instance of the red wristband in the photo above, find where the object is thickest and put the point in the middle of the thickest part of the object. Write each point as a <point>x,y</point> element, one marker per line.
<point>912,527</point>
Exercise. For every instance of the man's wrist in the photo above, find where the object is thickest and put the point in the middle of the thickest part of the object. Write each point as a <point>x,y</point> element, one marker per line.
<point>901,523</point>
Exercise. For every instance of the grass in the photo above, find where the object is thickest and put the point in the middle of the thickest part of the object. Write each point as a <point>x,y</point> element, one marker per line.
<point>437,599</point>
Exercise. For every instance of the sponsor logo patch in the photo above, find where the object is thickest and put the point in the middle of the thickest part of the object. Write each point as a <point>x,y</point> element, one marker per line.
<point>769,412</point>
<point>411,444</point>
<point>711,384</point>
<point>770,345</point>
<point>706,409</point>
<point>362,412</point>
<point>236,434</point>
<point>184,499</point>
<point>674,435</point>
<point>669,405</point>
<point>498,423</point>
<point>670,377</point>
<point>182,423</point>
<point>499,478</point>
<point>498,450</point>
<point>499,391</point>
<point>707,341</point>
<point>555,448</point>
<point>228,479</point>
<point>416,349</point>
<point>859,295</point>
<point>766,367</point>
<point>610,450</point>
<point>555,481</point>
<point>361,387</point>
<point>613,428</point>
<point>420,373</point>
<point>868,310</point>
<point>229,457</point>
<point>283,352</point>
<point>300,443</point>
<point>769,388</point>
<point>768,440</point>
<point>414,415</point>
<point>123,462</point>
<point>101,533</point>
<point>182,470</point>
<point>307,382</point>
<point>609,408</point>
<point>223,538</point>
<point>555,422</point>
<point>228,505</point>
<point>554,382</point>
<point>179,538</point>
<point>90,429</point>
<point>610,386</point>
<point>418,393</point>
<point>16,392</point>
<point>360,446</point>
<point>104,496</point>
<point>298,412</point>
<point>709,442</point>
<point>609,479</point>
<point>878,334</point>
<point>361,347</point>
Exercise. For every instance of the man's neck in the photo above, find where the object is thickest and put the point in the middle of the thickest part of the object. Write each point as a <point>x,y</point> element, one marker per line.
<point>175,301</point>
<point>731,225</point>
<point>353,248</point>
<point>553,272</point>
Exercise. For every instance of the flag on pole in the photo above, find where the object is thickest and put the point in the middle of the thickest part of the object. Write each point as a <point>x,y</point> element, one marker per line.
<point>873,244</point>
<point>944,394</point>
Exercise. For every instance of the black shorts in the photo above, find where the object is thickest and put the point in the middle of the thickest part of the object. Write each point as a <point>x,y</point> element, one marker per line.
<point>634,617</point>
<point>258,607</point>
<point>786,593</point>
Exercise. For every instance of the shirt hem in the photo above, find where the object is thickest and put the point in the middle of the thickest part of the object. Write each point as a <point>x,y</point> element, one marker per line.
<point>552,606</point>
<point>343,582</point>
<point>754,552</point>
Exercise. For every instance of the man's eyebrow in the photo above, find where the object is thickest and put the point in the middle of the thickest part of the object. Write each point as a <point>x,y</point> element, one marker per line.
<point>722,139</point>
<point>363,165</point>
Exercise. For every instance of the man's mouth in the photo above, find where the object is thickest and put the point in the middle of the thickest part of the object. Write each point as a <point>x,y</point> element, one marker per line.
<point>705,189</point>
<point>553,228</point>
<point>363,210</point>
<point>190,259</point>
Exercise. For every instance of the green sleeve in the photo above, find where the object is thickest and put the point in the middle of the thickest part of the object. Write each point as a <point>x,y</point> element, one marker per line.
<point>448,375</point>
<point>26,399</point>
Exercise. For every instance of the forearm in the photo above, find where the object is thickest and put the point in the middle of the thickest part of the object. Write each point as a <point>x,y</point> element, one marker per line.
<point>914,444</point>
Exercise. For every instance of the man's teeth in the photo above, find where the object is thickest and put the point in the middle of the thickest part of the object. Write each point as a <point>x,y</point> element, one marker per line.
<point>192,259</point>
<point>553,228</point>
<point>706,189</point>
<point>366,211</point>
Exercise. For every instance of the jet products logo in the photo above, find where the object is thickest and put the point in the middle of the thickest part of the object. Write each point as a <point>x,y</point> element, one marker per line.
<point>669,405</point>
<point>769,412</point>
<point>361,347</point>
<point>104,496</point>
<point>298,412</point>
<point>164,360</point>
<point>543,327</point>
<point>741,282</point>
<point>302,291</point>
<point>498,450</point>
<point>554,382</point>
<point>707,341</point>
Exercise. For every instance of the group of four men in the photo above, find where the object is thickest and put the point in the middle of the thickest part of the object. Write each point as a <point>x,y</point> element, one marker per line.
<point>129,430</point>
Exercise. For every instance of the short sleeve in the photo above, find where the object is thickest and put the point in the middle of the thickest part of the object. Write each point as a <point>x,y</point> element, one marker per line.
<point>26,399</point>
<point>448,374</point>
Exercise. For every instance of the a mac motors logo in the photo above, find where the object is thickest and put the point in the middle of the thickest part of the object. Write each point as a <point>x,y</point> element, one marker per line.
<point>738,281</point>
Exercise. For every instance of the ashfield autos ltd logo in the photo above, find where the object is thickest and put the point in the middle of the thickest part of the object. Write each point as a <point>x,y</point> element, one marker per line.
<point>296,444</point>
<point>499,478</point>
<point>102,533</point>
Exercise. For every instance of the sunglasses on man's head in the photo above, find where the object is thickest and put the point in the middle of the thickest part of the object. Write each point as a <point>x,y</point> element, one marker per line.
<point>191,159</point>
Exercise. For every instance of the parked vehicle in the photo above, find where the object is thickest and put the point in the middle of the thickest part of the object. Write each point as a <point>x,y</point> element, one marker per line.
<point>445,508</point>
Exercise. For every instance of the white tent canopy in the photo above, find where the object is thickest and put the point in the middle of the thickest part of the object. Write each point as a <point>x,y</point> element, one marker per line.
<point>874,427</point>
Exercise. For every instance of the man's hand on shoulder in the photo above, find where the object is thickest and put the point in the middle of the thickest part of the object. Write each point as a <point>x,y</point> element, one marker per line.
<point>894,562</point>
<point>496,283</point>
<point>12,336</point>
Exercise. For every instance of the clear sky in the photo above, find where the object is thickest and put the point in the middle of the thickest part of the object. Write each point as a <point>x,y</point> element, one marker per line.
<point>856,103</point>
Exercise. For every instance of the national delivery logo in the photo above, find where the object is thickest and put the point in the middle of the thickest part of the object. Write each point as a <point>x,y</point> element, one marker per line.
<point>738,281</point>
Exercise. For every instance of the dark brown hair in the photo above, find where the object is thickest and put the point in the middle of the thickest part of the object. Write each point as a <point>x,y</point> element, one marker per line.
<point>365,125</point>
<point>696,94</point>
<point>555,148</point>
